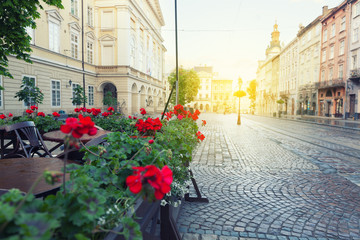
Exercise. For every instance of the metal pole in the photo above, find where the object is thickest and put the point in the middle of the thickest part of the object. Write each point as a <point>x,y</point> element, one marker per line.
<point>239,120</point>
<point>82,47</point>
<point>177,63</point>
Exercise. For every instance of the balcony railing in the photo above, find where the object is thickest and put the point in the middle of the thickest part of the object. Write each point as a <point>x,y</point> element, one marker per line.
<point>339,82</point>
<point>355,74</point>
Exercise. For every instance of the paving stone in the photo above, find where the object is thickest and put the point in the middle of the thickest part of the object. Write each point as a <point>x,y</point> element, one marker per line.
<point>209,237</point>
<point>191,236</point>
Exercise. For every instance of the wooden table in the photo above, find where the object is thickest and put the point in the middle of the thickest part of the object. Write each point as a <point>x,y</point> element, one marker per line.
<point>21,173</point>
<point>58,136</point>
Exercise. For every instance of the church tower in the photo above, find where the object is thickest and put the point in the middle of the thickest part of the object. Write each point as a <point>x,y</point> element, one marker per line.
<point>274,47</point>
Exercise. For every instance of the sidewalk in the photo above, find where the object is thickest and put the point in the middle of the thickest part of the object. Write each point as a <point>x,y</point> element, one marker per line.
<point>334,122</point>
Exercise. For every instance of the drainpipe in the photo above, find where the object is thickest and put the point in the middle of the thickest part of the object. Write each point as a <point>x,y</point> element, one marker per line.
<point>82,47</point>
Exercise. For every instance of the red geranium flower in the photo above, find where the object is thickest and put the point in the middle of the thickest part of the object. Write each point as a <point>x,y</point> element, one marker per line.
<point>77,109</point>
<point>142,111</point>
<point>2,116</point>
<point>180,117</point>
<point>88,110</point>
<point>79,128</point>
<point>151,141</point>
<point>203,122</point>
<point>29,111</point>
<point>105,114</point>
<point>111,109</point>
<point>200,136</point>
<point>10,115</point>
<point>34,107</point>
<point>56,114</point>
<point>41,114</point>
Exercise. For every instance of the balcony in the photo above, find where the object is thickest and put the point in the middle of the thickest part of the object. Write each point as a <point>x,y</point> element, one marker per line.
<point>355,74</point>
<point>338,82</point>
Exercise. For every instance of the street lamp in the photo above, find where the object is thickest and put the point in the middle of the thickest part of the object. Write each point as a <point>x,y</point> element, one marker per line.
<point>240,83</point>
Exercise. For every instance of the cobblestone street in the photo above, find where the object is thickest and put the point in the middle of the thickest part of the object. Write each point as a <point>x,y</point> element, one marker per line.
<point>274,179</point>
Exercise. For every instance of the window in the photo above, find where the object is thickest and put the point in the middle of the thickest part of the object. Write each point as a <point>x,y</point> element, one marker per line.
<point>54,35</point>
<point>324,55</point>
<point>90,52</point>
<point>30,86</point>
<point>331,52</point>
<point>333,30</point>
<point>317,30</point>
<point>342,24</point>
<point>331,70</point>
<point>342,46</point>
<point>90,16</point>
<point>74,85</point>
<point>132,51</point>
<point>341,71</point>
<point>353,61</point>
<point>325,35</point>
<point>31,34</point>
<point>322,75</point>
<point>91,95</point>
<point>107,55</point>
<point>55,93</point>
<point>355,35</point>
<point>357,6</point>
<point>74,45</point>
<point>1,94</point>
<point>75,7</point>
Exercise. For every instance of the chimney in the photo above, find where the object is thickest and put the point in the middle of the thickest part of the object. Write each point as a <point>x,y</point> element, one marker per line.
<point>325,10</point>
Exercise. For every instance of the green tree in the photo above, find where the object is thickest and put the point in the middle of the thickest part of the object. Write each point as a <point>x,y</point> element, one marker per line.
<point>189,84</point>
<point>15,16</point>
<point>109,100</point>
<point>29,93</point>
<point>251,90</point>
<point>79,97</point>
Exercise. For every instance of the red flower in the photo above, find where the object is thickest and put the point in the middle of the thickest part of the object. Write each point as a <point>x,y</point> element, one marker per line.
<point>148,125</point>
<point>88,110</point>
<point>29,111</point>
<point>34,107</point>
<point>41,114</point>
<point>160,180</point>
<point>142,111</point>
<point>10,115</point>
<point>168,115</point>
<point>200,136</point>
<point>79,128</point>
<point>111,109</point>
<point>134,117</point>
<point>83,109</point>
<point>151,141</point>
<point>130,117</point>
<point>56,114</point>
<point>105,114</point>
<point>180,117</point>
<point>203,122</point>
<point>2,116</point>
<point>77,109</point>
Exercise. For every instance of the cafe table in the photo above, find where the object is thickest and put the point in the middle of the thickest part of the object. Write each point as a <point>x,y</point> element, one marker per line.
<point>21,173</point>
<point>58,136</point>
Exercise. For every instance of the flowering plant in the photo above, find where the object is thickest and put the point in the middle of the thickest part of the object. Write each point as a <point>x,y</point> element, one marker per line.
<point>148,127</point>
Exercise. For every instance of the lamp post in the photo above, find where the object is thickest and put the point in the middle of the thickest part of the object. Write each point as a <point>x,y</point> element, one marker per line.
<point>239,120</point>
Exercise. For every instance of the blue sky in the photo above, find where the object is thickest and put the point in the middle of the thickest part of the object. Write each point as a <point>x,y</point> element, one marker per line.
<point>232,35</point>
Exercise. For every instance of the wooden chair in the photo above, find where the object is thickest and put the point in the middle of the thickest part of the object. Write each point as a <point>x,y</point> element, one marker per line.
<point>75,155</point>
<point>29,141</point>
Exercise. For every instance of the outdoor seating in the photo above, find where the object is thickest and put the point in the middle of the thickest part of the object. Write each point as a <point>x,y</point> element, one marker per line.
<point>29,141</point>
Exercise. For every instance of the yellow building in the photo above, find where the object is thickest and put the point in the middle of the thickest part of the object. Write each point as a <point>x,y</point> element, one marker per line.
<point>203,98</point>
<point>222,96</point>
<point>117,49</point>
<point>267,77</point>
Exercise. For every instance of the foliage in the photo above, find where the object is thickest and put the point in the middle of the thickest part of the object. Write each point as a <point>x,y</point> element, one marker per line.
<point>280,101</point>
<point>29,93</point>
<point>109,100</point>
<point>251,90</point>
<point>2,88</point>
<point>79,97</point>
<point>16,16</point>
<point>240,93</point>
<point>189,84</point>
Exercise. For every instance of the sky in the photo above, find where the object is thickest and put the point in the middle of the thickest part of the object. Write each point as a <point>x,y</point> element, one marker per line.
<point>232,35</point>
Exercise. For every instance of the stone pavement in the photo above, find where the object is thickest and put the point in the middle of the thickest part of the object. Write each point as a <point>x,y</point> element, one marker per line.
<point>261,188</point>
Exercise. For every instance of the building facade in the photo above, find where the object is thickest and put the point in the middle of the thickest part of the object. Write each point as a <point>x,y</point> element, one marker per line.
<point>309,65</point>
<point>119,43</point>
<point>267,77</point>
<point>203,98</point>
<point>222,98</point>
<point>353,85</point>
<point>334,61</point>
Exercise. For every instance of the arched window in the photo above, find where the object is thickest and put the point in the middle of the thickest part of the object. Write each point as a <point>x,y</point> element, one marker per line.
<point>328,93</point>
